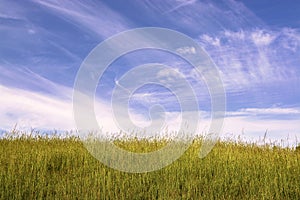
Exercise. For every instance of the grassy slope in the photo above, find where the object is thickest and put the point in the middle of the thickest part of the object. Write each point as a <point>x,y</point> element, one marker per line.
<point>63,169</point>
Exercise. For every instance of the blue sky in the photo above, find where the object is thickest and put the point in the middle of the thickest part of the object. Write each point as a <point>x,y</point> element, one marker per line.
<point>254,44</point>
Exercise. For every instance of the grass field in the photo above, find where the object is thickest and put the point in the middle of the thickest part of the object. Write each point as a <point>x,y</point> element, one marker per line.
<point>53,168</point>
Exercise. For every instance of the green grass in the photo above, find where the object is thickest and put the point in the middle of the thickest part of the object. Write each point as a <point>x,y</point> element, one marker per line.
<point>53,168</point>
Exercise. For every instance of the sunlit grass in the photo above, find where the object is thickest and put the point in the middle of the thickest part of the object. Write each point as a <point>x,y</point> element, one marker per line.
<point>41,167</point>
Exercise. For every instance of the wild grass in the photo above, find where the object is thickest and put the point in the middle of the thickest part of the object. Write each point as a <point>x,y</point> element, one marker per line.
<point>61,168</point>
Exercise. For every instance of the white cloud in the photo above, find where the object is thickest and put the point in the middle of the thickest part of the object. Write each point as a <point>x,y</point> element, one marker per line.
<point>246,125</point>
<point>290,39</point>
<point>240,35</point>
<point>201,17</point>
<point>210,40</point>
<point>265,111</point>
<point>186,50</point>
<point>262,38</point>
<point>168,73</point>
<point>248,58</point>
<point>25,78</point>
<point>30,109</point>
<point>96,17</point>
<point>34,110</point>
<point>181,4</point>
<point>253,129</point>
<point>273,110</point>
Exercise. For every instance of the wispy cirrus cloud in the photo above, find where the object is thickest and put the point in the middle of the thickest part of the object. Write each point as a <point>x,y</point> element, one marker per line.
<point>250,57</point>
<point>52,50</point>
<point>88,15</point>
<point>198,17</point>
<point>24,78</point>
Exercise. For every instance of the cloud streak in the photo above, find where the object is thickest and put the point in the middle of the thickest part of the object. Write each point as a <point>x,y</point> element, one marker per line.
<point>251,57</point>
<point>198,17</point>
<point>89,15</point>
<point>31,109</point>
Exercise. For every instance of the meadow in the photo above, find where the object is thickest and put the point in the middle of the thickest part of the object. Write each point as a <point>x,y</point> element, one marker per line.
<point>36,167</point>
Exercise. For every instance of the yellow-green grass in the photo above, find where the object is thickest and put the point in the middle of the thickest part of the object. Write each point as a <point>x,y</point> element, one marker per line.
<point>55,168</point>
